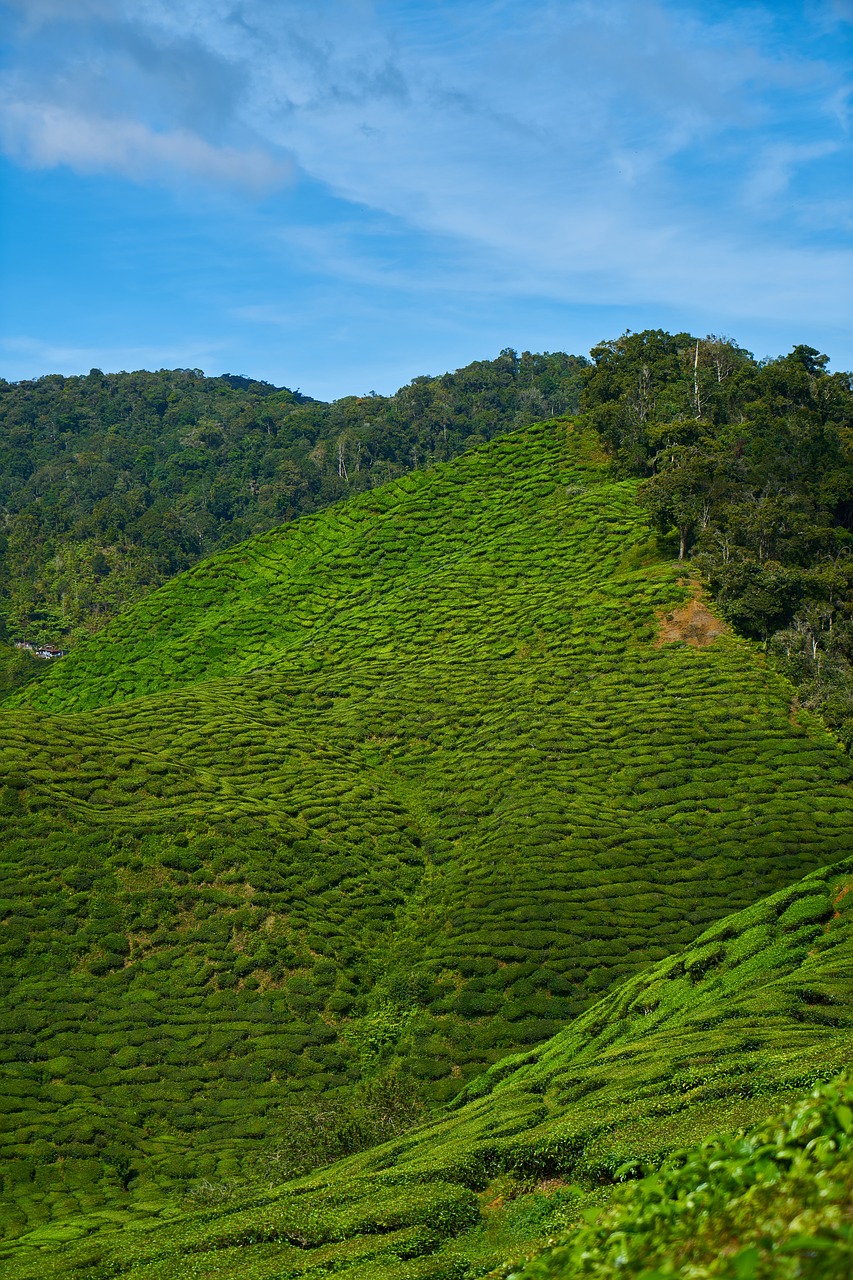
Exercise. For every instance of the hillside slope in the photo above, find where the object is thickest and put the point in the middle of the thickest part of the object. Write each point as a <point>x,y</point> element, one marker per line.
<point>398,788</point>
<point>772,1202</point>
<point>753,1014</point>
<point>111,484</point>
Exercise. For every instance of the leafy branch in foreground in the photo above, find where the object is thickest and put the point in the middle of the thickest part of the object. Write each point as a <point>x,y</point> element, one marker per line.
<point>770,1204</point>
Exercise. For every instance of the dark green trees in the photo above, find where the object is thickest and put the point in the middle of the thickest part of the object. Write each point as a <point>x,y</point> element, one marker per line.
<point>750,464</point>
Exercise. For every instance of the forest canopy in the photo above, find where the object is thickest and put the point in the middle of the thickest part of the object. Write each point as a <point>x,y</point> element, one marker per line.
<point>750,464</point>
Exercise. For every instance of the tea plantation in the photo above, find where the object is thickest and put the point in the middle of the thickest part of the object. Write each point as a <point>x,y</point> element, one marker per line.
<point>771,1203</point>
<point>757,1011</point>
<point>306,841</point>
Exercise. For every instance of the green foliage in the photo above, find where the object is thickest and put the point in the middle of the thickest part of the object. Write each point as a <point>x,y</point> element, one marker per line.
<point>326,1129</point>
<point>704,1044</point>
<point>769,1204</point>
<point>112,484</point>
<point>17,668</point>
<point>751,465</point>
<point>383,795</point>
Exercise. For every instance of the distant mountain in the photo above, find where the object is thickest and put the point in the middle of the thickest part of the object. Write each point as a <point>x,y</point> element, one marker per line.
<point>304,842</point>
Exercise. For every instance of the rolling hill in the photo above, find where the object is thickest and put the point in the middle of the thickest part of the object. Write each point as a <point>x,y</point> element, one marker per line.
<point>756,1011</point>
<point>112,483</point>
<point>353,810</point>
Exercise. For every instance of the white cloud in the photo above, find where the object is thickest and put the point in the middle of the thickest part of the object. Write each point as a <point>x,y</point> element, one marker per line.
<point>608,151</point>
<point>45,134</point>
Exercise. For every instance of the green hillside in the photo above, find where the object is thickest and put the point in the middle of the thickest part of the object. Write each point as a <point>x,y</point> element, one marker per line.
<point>306,840</point>
<point>112,483</point>
<point>751,1015</point>
<point>770,1203</point>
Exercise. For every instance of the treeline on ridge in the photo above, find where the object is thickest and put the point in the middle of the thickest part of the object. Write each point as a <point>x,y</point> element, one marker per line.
<point>751,465</point>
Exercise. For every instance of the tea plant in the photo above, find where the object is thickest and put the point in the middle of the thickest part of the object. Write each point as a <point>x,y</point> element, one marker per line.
<point>772,1202</point>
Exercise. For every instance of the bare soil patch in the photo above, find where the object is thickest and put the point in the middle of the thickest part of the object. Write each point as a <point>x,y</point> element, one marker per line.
<point>693,623</point>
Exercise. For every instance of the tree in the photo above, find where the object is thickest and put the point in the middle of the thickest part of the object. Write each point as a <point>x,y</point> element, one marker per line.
<point>680,494</point>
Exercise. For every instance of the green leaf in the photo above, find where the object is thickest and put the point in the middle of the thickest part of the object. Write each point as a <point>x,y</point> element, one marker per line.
<point>745,1263</point>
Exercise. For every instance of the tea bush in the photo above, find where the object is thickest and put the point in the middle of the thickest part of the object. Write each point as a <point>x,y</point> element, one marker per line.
<point>539,1147</point>
<point>769,1203</point>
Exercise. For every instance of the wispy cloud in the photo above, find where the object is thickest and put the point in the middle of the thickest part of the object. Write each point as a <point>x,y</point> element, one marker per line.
<point>842,10</point>
<point>34,355</point>
<point>777,166</point>
<point>619,150</point>
<point>44,134</point>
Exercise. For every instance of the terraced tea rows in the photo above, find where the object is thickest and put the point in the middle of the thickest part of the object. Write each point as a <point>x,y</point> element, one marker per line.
<point>755,1012</point>
<point>400,787</point>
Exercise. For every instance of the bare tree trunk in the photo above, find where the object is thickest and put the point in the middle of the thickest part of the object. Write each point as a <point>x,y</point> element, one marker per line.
<point>696,381</point>
<point>682,548</point>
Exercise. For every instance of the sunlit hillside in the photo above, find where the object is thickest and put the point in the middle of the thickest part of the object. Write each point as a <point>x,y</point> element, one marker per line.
<point>339,818</point>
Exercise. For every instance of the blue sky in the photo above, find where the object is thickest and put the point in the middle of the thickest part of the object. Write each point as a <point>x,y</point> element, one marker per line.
<point>339,195</point>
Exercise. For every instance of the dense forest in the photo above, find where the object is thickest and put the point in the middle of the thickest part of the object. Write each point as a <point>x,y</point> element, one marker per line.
<point>110,484</point>
<point>751,465</point>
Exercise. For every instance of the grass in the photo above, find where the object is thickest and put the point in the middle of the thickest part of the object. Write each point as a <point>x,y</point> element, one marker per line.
<point>355,810</point>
